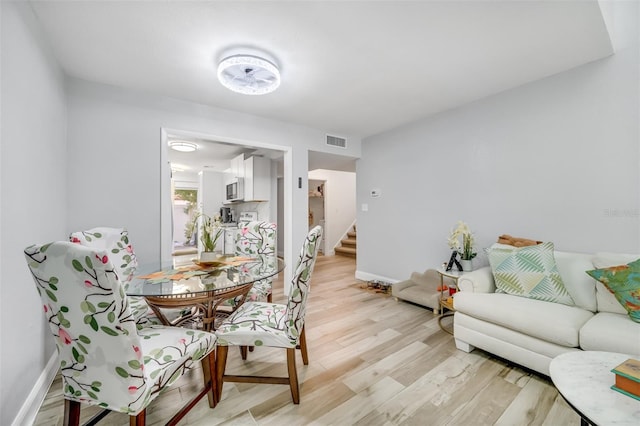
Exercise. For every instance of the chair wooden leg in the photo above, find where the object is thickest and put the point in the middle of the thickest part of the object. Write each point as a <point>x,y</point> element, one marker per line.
<point>221,362</point>
<point>243,352</point>
<point>293,375</point>
<point>209,372</point>
<point>139,420</point>
<point>269,298</point>
<point>71,413</point>
<point>303,347</point>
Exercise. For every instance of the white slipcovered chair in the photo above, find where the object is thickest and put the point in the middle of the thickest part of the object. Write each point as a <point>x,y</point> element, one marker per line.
<point>274,325</point>
<point>257,239</point>
<point>105,359</point>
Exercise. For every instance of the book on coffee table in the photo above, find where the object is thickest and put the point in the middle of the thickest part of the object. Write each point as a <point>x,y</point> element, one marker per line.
<point>628,378</point>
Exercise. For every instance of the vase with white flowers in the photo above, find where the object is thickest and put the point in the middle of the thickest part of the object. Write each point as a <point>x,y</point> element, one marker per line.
<point>210,232</point>
<point>465,249</point>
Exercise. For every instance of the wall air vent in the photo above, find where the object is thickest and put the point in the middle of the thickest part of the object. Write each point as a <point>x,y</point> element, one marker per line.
<point>336,141</point>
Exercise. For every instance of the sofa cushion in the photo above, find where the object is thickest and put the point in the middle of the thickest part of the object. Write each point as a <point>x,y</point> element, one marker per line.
<point>552,322</point>
<point>606,300</point>
<point>581,287</point>
<point>624,282</point>
<point>529,272</point>
<point>612,333</point>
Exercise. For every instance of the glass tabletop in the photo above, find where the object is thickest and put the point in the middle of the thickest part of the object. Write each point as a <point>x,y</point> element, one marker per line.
<point>166,279</point>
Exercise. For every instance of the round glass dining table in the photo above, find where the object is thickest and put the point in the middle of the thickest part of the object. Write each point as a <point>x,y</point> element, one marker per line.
<point>205,293</point>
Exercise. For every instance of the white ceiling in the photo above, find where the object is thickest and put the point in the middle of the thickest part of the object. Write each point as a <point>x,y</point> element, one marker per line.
<point>349,68</point>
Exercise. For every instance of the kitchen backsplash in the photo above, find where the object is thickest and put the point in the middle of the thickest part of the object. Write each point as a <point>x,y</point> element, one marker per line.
<point>262,208</point>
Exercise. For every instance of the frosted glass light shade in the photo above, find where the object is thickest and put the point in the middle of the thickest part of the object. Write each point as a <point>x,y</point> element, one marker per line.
<point>248,74</point>
<point>183,146</point>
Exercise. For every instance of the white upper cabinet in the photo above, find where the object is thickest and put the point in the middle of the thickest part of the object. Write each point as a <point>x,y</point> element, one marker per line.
<point>237,166</point>
<point>257,179</point>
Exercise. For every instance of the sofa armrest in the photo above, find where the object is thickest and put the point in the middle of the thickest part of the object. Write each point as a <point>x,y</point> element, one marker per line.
<point>478,281</point>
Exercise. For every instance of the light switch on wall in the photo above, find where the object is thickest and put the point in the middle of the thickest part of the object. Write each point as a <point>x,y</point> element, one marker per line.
<point>365,207</point>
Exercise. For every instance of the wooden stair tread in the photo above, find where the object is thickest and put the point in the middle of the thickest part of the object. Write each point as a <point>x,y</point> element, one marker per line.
<point>349,242</point>
<point>346,251</point>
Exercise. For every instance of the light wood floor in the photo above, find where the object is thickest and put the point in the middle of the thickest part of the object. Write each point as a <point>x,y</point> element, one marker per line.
<point>373,361</point>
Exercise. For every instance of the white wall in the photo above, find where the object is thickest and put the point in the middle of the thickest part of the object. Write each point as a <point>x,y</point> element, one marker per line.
<point>33,195</point>
<point>339,205</point>
<point>113,130</point>
<point>555,160</point>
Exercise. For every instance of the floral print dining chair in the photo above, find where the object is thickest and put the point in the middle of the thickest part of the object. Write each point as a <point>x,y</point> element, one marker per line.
<point>120,250</point>
<point>257,239</point>
<point>274,325</point>
<point>105,359</point>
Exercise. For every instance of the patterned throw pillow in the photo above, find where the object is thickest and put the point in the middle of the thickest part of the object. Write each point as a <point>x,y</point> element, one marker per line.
<point>529,272</point>
<point>624,282</point>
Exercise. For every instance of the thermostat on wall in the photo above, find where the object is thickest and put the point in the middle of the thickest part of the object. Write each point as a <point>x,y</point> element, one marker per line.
<point>375,193</point>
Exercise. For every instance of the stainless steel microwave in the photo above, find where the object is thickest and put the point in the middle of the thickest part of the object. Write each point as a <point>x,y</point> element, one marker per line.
<point>235,190</point>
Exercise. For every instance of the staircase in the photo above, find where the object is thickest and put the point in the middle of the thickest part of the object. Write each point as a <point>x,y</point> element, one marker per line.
<point>348,245</point>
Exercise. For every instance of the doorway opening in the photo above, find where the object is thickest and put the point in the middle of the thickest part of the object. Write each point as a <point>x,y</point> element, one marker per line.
<point>317,207</point>
<point>184,211</point>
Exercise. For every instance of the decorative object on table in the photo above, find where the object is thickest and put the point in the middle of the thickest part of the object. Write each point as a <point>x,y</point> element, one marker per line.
<point>464,248</point>
<point>628,378</point>
<point>624,282</point>
<point>105,360</point>
<point>210,232</point>
<point>453,261</point>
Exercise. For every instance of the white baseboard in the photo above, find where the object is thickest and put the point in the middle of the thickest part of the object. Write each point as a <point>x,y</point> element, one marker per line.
<point>29,410</point>
<point>366,276</point>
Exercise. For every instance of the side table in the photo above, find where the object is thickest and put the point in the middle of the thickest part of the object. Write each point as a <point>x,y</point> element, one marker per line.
<point>446,298</point>
<point>584,380</point>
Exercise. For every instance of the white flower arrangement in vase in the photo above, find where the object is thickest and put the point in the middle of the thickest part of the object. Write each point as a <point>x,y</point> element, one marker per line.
<point>210,232</point>
<point>465,249</point>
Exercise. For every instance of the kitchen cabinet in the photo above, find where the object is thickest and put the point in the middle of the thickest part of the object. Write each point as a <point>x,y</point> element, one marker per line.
<point>237,166</point>
<point>257,179</point>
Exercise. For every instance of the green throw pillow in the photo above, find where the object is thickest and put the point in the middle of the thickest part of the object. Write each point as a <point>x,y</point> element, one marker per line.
<point>624,282</point>
<point>529,272</point>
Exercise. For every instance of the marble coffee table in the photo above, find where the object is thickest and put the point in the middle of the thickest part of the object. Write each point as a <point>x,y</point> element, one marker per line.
<point>584,380</point>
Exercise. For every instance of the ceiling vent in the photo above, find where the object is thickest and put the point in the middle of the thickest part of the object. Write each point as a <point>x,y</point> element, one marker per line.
<point>336,141</point>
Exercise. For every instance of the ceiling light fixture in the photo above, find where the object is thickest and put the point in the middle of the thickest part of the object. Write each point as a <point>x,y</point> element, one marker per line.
<point>183,146</point>
<point>248,74</point>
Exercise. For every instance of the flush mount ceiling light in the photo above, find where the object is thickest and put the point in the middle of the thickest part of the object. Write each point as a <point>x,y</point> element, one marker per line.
<point>248,74</point>
<point>183,146</point>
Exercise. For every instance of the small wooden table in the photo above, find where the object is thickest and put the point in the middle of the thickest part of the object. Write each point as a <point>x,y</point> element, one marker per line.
<point>446,299</point>
<point>584,380</point>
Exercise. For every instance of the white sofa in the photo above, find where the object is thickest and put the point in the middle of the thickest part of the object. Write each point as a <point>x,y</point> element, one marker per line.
<point>532,332</point>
